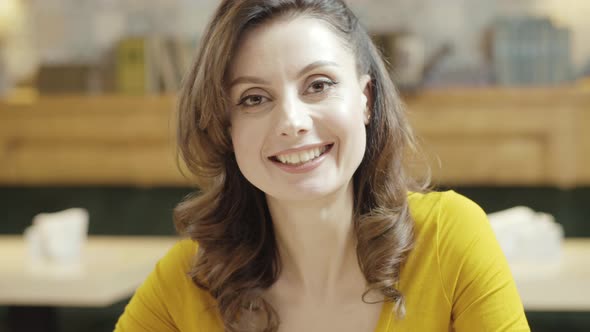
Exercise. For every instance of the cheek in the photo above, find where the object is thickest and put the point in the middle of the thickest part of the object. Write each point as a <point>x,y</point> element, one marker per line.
<point>347,120</point>
<point>246,141</point>
<point>352,131</point>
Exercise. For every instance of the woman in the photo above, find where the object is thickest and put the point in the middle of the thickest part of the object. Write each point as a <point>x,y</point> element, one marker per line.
<point>306,221</point>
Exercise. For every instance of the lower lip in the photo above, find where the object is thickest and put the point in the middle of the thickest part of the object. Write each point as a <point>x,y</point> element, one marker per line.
<point>303,168</point>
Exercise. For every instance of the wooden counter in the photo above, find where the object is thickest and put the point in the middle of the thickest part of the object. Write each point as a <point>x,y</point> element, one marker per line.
<point>561,286</point>
<point>111,269</point>
<point>492,137</point>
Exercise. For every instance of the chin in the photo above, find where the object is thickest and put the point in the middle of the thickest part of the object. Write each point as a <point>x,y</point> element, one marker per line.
<point>305,192</point>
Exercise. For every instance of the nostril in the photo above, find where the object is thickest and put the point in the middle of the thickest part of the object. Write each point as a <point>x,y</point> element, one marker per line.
<point>297,133</point>
<point>301,131</point>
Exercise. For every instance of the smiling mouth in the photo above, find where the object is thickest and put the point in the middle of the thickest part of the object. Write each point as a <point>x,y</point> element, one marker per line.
<point>302,157</point>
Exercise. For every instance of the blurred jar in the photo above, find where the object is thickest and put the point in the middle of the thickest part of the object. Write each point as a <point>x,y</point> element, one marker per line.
<point>18,56</point>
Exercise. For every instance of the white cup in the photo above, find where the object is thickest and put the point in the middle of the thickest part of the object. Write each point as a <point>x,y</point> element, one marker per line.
<point>34,246</point>
<point>62,234</point>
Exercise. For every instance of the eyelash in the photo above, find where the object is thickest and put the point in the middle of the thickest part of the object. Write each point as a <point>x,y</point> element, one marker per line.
<point>328,82</point>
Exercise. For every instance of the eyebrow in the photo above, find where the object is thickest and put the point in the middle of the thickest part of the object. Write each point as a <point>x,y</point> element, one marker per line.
<point>309,67</point>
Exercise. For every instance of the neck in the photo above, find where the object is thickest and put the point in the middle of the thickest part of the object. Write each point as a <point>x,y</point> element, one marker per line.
<point>316,243</point>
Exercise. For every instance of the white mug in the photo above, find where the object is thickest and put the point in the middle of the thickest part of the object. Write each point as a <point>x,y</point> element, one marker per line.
<point>62,234</point>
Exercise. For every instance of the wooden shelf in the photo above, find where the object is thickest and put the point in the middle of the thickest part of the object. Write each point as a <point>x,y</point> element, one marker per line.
<point>73,140</point>
<point>497,137</point>
<point>505,137</point>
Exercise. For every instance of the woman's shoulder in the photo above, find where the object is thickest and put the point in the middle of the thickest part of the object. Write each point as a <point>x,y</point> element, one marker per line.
<point>457,255</point>
<point>176,262</point>
<point>168,300</point>
<point>173,268</point>
<point>181,254</point>
<point>449,212</point>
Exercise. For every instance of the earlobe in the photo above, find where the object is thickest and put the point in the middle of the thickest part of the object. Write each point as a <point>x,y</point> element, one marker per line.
<point>364,101</point>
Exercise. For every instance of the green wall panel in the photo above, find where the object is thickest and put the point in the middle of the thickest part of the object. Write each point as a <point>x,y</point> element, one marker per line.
<point>121,211</point>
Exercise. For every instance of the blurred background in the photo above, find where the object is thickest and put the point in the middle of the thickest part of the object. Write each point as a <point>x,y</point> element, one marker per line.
<point>498,92</point>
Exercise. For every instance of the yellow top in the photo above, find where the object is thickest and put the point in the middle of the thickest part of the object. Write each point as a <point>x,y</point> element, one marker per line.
<point>455,279</point>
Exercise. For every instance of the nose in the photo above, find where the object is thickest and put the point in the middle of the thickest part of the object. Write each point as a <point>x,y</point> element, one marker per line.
<point>294,119</point>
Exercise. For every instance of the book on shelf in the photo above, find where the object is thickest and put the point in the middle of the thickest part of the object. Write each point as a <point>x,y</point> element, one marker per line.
<point>150,65</point>
<point>531,51</point>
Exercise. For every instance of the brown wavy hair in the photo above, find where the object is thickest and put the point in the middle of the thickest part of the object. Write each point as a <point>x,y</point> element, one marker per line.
<point>229,218</point>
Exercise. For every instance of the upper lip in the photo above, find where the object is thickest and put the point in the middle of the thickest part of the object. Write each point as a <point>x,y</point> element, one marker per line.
<point>300,148</point>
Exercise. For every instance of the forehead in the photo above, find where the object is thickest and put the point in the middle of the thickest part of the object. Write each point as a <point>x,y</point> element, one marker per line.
<point>289,43</point>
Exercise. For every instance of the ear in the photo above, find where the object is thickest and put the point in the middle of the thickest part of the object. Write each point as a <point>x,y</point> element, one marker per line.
<point>366,97</point>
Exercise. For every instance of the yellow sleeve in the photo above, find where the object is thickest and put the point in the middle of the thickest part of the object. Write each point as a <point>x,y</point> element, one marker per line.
<point>150,307</point>
<point>474,271</point>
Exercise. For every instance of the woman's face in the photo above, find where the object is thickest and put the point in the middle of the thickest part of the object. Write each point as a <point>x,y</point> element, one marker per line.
<point>298,109</point>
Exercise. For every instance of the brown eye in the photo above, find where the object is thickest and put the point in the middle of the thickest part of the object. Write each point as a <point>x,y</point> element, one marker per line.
<point>252,100</point>
<point>320,86</point>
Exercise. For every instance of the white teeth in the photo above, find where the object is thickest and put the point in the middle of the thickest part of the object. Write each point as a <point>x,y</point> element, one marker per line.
<point>302,156</point>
